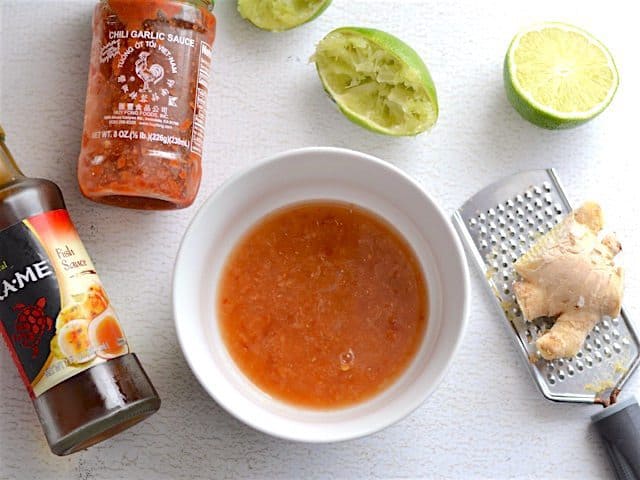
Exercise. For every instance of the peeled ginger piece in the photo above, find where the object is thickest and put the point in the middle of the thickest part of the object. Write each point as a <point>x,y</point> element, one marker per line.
<point>569,273</point>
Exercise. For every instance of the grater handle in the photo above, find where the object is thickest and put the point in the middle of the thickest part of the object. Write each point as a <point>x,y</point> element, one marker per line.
<point>619,428</point>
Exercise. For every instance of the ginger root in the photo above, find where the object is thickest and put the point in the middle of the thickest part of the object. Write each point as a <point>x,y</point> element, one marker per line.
<point>569,273</point>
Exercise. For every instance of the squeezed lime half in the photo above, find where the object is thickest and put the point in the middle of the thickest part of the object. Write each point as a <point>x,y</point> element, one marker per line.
<point>377,81</point>
<point>559,76</point>
<point>280,15</point>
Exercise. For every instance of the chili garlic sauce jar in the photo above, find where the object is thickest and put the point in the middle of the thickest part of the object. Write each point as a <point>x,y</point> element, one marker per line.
<point>146,102</point>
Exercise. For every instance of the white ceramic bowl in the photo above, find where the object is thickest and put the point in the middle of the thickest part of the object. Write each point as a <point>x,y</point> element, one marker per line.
<point>311,174</point>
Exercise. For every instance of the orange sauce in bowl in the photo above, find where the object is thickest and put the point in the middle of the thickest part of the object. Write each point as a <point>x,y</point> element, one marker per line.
<point>322,304</point>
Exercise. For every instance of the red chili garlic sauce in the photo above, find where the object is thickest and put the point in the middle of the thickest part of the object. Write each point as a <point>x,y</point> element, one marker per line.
<point>322,304</point>
<point>146,102</point>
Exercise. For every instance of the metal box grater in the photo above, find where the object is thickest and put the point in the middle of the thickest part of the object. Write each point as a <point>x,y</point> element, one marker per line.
<point>498,225</point>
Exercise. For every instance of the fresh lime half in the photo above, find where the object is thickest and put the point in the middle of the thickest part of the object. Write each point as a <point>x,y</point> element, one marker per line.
<point>377,81</point>
<point>559,76</point>
<point>279,15</point>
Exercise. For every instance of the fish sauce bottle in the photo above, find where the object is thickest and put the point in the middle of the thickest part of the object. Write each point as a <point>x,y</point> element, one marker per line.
<point>58,322</point>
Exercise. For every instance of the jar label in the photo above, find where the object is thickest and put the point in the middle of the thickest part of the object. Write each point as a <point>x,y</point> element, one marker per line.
<point>161,80</point>
<point>200,109</point>
<point>55,316</point>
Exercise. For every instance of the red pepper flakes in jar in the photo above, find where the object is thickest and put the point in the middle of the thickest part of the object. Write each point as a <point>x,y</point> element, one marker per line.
<point>146,102</point>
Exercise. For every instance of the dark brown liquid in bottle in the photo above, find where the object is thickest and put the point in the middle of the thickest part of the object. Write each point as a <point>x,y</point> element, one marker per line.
<point>97,403</point>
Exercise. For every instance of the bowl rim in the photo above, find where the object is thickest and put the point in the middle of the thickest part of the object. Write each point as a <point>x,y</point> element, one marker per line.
<point>456,256</point>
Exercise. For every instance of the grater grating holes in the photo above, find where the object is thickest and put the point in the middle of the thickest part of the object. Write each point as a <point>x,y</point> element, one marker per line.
<point>504,231</point>
<point>534,209</point>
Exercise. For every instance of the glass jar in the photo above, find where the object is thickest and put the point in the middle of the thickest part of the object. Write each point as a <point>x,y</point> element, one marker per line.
<point>146,102</point>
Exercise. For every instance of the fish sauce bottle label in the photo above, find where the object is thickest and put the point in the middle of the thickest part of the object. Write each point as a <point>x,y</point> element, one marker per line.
<point>55,315</point>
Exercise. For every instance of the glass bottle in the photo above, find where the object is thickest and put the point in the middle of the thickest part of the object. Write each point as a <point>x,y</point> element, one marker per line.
<point>146,102</point>
<point>58,323</point>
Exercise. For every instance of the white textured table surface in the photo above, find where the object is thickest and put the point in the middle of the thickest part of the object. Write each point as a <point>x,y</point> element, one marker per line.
<point>486,420</point>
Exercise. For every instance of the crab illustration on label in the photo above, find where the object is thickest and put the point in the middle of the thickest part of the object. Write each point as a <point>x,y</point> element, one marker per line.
<point>31,324</point>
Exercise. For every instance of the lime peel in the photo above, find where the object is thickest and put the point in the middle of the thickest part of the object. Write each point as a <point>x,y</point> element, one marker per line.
<point>377,81</point>
<point>281,15</point>
<point>559,76</point>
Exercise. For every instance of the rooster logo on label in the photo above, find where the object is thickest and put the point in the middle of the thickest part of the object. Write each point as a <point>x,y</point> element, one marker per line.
<point>146,79</point>
<point>149,74</point>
